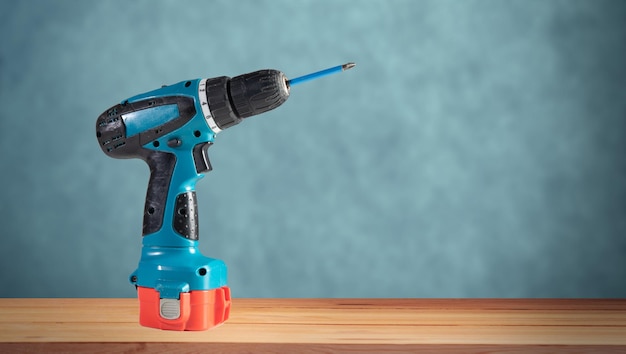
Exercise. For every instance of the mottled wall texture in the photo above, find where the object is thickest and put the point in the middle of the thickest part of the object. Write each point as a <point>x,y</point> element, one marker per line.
<point>478,149</point>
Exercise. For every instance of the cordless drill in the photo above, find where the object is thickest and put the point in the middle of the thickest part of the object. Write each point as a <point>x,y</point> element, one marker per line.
<point>171,129</point>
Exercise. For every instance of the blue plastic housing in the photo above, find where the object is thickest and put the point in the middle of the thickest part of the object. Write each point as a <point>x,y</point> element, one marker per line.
<point>171,263</point>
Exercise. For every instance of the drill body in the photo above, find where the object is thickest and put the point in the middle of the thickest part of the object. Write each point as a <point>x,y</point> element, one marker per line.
<point>171,129</point>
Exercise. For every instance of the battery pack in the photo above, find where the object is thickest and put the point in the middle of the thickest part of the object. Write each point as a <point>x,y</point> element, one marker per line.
<point>197,310</point>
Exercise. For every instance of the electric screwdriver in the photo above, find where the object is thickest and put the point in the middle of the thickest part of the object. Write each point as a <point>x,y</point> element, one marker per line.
<point>171,129</point>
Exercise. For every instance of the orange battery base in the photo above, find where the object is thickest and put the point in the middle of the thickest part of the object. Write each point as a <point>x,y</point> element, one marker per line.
<point>199,309</point>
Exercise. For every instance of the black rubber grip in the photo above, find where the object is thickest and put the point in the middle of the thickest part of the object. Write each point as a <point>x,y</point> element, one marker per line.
<point>161,165</point>
<point>258,92</point>
<point>185,221</point>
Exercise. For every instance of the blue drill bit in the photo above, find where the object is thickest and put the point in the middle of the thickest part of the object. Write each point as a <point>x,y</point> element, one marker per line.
<point>318,74</point>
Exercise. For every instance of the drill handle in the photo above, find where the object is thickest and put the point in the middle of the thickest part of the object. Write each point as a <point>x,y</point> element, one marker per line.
<point>171,207</point>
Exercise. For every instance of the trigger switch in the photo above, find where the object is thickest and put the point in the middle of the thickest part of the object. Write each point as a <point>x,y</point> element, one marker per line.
<point>201,157</point>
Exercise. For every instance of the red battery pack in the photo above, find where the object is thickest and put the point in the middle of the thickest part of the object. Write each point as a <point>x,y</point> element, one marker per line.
<point>196,310</point>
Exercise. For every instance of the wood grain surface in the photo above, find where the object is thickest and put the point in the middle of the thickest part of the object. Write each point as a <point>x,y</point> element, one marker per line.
<point>325,326</point>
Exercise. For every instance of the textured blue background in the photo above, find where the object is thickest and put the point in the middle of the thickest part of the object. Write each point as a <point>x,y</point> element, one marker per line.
<point>477,150</point>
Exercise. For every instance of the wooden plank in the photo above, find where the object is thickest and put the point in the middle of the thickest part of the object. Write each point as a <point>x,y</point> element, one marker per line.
<point>326,325</point>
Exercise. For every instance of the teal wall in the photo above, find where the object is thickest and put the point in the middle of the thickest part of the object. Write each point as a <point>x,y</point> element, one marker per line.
<point>478,149</point>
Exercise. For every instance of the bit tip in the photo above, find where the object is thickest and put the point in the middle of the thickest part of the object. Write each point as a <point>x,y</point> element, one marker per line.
<point>347,66</point>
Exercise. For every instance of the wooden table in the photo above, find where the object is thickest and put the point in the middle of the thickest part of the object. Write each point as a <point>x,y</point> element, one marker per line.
<point>324,325</point>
